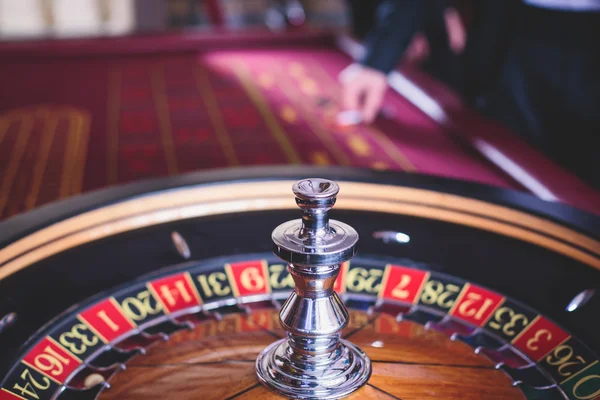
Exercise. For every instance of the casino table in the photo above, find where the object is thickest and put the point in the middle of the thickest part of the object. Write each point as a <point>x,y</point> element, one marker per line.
<point>143,181</point>
<point>169,288</point>
<point>82,114</point>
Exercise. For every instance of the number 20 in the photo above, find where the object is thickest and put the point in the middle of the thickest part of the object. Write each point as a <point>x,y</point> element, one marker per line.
<point>138,308</point>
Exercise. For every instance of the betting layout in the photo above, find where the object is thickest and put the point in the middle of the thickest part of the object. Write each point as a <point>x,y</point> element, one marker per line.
<point>516,335</point>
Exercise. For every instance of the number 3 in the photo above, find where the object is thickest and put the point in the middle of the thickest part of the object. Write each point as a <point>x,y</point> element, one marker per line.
<point>531,343</point>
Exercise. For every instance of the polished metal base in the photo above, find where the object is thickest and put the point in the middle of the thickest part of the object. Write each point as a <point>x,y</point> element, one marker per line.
<point>313,362</point>
<point>332,376</point>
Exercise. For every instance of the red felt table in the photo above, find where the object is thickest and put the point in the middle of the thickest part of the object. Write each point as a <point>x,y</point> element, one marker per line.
<point>78,115</point>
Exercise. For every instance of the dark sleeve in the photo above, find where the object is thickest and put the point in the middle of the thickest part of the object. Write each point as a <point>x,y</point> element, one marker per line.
<point>491,38</point>
<point>397,21</point>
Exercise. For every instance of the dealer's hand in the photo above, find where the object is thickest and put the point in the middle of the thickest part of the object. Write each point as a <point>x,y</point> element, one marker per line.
<point>363,89</point>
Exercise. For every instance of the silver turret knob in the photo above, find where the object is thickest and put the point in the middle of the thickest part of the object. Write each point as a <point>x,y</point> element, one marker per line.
<point>313,362</point>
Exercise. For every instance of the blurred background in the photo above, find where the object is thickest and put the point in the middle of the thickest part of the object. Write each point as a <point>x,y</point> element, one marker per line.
<point>28,19</point>
<point>102,92</point>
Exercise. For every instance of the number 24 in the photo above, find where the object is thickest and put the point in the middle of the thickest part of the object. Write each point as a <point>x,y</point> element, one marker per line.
<point>28,389</point>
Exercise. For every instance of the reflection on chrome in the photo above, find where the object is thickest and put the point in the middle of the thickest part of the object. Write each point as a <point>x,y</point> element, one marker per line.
<point>181,245</point>
<point>7,321</point>
<point>313,362</point>
<point>392,236</point>
<point>580,299</point>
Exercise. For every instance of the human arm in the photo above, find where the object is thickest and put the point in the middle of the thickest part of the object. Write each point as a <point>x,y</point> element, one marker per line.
<point>399,25</point>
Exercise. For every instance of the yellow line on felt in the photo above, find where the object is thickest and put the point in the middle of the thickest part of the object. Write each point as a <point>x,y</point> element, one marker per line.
<point>392,149</point>
<point>317,127</point>
<point>164,118</point>
<point>25,130</point>
<point>260,103</point>
<point>212,107</point>
<point>51,123</point>
<point>113,120</point>
<point>83,134</point>
<point>69,159</point>
<point>4,125</point>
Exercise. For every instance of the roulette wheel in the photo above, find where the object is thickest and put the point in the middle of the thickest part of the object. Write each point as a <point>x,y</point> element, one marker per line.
<point>268,283</point>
